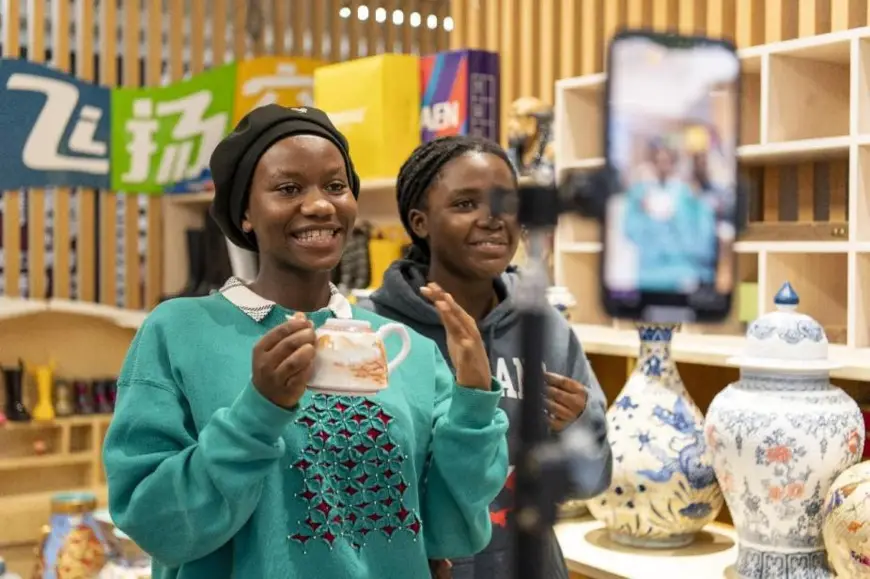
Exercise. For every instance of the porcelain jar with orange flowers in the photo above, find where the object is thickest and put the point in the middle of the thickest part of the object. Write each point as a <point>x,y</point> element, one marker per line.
<point>847,523</point>
<point>779,437</point>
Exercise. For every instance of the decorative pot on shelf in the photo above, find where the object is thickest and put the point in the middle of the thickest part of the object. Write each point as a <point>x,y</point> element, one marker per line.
<point>779,437</point>
<point>846,529</point>
<point>663,490</point>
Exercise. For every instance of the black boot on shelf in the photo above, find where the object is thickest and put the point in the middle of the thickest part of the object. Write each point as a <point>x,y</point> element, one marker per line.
<point>101,397</point>
<point>218,267</point>
<point>13,382</point>
<point>84,397</point>
<point>196,253</point>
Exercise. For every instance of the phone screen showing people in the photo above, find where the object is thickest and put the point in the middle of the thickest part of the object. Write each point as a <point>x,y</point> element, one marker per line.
<point>671,142</point>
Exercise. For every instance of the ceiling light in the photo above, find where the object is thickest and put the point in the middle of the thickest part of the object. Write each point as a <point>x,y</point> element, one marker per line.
<point>415,19</point>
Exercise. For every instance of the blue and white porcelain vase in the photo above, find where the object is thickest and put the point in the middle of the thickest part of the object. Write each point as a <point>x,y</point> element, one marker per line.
<point>779,437</point>
<point>664,490</point>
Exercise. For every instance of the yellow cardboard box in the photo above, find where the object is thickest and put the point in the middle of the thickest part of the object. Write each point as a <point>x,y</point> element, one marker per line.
<point>287,81</point>
<point>375,102</point>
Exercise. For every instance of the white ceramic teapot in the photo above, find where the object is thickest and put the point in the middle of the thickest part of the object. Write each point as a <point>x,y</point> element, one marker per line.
<point>351,359</point>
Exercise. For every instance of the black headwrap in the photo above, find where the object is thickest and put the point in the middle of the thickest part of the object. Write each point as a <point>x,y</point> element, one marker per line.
<point>235,158</point>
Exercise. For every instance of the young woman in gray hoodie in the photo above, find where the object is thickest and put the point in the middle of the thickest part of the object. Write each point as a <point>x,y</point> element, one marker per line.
<point>443,198</point>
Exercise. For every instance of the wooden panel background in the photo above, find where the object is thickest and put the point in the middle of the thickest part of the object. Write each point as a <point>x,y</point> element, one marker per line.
<point>542,41</point>
<point>105,246</point>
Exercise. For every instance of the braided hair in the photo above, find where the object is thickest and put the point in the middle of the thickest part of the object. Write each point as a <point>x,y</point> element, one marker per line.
<point>422,169</point>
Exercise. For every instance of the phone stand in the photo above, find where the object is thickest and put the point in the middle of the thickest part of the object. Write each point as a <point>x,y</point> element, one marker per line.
<point>545,464</point>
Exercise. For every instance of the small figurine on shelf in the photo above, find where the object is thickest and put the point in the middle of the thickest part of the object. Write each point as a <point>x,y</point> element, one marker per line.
<point>44,376</point>
<point>84,398</point>
<point>13,381</point>
<point>40,447</point>
<point>530,138</point>
<point>63,398</point>
<point>101,397</point>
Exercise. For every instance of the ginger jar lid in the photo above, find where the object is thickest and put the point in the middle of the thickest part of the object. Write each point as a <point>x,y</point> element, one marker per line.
<point>785,340</point>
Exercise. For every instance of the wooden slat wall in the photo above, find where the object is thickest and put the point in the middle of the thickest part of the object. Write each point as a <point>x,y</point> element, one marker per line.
<point>102,238</point>
<point>544,40</point>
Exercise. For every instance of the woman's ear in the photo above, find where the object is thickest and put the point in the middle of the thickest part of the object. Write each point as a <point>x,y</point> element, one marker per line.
<point>247,226</point>
<point>419,223</point>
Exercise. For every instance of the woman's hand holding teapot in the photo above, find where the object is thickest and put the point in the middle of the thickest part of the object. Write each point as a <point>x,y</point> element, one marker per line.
<point>464,343</point>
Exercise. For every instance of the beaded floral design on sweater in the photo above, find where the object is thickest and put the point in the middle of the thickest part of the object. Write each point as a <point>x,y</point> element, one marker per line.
<point>352,471</point>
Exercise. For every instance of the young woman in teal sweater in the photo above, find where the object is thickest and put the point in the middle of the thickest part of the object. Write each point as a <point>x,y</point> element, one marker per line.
<point>221,464</point>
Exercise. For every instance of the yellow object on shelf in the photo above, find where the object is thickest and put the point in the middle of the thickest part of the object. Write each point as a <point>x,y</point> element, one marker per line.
<point>382,253</point>
<point>747,301</point>
<point>375,102</point>
<point>44,376</point>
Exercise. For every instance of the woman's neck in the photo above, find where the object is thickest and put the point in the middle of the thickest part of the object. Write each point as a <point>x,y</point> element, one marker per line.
<point>475,297</point>
<point>302,291</point>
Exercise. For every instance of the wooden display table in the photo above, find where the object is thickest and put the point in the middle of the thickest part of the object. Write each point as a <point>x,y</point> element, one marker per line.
<point>592,555</point>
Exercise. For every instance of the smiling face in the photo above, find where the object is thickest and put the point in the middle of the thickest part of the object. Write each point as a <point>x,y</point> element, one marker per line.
<point>301,208</point>
<point>456,221</point>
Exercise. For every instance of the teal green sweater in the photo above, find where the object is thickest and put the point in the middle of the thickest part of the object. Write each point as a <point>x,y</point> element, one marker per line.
<point>215,481</point>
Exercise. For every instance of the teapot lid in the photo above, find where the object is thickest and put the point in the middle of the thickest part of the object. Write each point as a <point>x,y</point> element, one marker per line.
<point>785,340</point>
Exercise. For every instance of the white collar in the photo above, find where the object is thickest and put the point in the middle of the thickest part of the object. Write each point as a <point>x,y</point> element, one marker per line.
<point>257,307</point>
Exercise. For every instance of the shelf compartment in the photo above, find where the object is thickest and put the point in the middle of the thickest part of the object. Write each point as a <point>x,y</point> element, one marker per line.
<point>862,194</point>
<point>36,478</point>
<point>744,307</point>
<point>24,443</point>
<point>808,94</point>
<point>575,229</point>
<point>579,104</point>
<point>863,96</point>
<point>860,311</point>
<point>821,281</point>
<point>805,201</point>
<point>750,102</point>
<point>580,273</point>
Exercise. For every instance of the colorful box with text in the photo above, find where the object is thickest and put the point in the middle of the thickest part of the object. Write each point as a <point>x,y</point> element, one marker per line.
<point>460,94</point>
<point>375,102</point>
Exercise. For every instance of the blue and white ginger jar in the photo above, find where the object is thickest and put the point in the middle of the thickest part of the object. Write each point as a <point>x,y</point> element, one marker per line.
<point>780,436</point>
<point>664,490</point>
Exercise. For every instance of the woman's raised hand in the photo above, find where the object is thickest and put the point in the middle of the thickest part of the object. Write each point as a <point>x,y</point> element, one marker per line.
<point>464,343</point>
<point>283,361</point>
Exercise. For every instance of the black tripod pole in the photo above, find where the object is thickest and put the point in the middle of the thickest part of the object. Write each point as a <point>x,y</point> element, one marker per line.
<point>541,465</point>
<point>532,495</point>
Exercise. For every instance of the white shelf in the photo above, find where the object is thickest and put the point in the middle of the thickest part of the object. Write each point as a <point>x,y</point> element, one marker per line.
<point>19,307</point>
<point>709,350</point>
<point>591,553</point>
<point>810,178</point>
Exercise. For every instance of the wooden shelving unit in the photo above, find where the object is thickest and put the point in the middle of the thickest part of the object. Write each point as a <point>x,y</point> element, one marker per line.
<point>71,461</point>
<point>805,150</point>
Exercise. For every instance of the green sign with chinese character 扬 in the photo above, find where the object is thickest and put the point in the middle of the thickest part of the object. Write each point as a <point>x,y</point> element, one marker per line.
<point>164,136</point>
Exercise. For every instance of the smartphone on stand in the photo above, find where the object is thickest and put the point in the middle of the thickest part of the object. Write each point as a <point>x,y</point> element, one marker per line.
<point>671,134</point>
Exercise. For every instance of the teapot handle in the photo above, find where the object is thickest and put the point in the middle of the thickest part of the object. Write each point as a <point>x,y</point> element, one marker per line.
<point>402,331</point>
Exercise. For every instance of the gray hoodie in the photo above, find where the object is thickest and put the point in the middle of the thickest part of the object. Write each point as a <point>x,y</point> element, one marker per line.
<point>399,299</point>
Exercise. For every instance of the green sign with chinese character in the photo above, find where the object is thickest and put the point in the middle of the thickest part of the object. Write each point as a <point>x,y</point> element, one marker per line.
<point>162,137</point>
